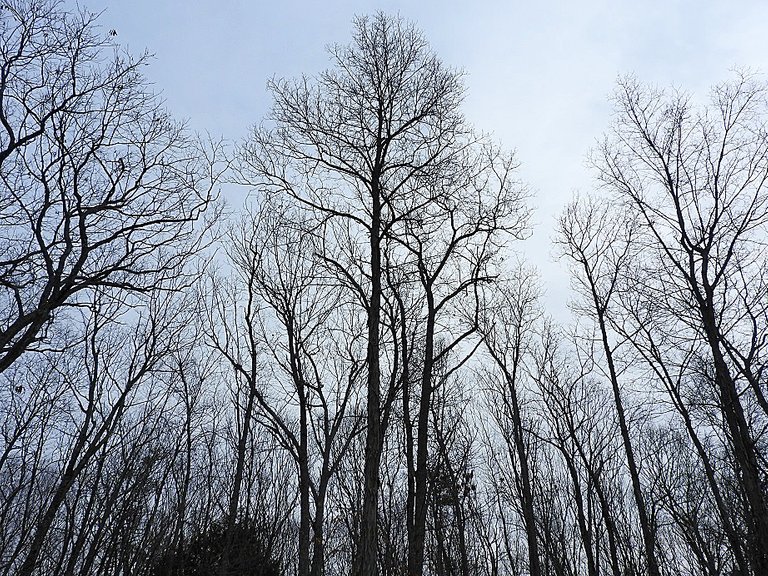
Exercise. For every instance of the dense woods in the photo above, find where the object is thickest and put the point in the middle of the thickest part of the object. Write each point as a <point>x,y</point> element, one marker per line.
<point>355,372</point>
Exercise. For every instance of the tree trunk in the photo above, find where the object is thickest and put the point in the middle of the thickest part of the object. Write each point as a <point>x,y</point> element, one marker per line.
<point>237,484</point>
<point>318,548</point>
<point>645,526</point>
<point>366,561</point>
<point>304,515</point>
<point>529,515</point>
<point>417,533</point>
<point>743,450</point>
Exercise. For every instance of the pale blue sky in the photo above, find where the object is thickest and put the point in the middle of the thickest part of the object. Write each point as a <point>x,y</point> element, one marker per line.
<point>538,73</point>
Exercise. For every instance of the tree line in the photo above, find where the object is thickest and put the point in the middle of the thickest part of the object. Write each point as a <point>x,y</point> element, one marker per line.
<point>355,373</point>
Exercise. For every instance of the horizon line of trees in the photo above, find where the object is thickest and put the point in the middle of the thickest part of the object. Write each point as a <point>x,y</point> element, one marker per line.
<point>354,373</point>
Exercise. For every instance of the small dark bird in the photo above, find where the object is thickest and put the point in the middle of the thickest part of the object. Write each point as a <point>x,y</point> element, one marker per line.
<point>19,389</point>
<point>113,32</point>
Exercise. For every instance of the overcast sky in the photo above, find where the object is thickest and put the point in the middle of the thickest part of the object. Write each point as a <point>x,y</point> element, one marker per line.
<point>539,73</point>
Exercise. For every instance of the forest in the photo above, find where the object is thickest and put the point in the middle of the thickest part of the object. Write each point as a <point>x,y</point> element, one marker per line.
<point>355,372</point>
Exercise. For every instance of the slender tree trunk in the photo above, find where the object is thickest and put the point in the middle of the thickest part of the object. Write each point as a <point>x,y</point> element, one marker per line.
<point>512,404</point>
<point>529,515</point>
<point>605,512</point>
<point>366,561</point>
<point>417,535</point>
<point>461,524</point>
<point>743,450</point>
<point>237,484</point>
<point>584,529</point>
<point>182,508</point>
<point>318,548</point>
<point>645,525</point>
<point>733,537</point>
<point>304,514</point>
<point>408,432</point>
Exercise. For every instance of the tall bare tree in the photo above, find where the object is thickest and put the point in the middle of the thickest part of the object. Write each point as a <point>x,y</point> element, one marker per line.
<point>364,147</point>
<point>444,254</point>
<point>284,327</point>
<point>681,283</point>
<point>102,195</point>
<point>508,328</point>
<point>599,245</point>
<point>696,179</point>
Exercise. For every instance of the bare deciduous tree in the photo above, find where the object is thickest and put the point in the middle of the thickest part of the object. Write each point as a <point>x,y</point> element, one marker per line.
<point>599,245</point>
<point>99,186</point>
<point>102,195</point>
<point>378,152</point>
<point>696,180</point>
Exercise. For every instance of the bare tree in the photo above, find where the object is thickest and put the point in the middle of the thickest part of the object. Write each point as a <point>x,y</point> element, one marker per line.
<point>348,146</point>
<point>113,377</point>
<point>377,151</point>
<point>580,423</point>
<point>99,186</point>
<point>101,199</point>
<point>696,179</point>
<point>470,207</point>
<point>283,326</point>
<point>599,244</point>
<point>507,329</point>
